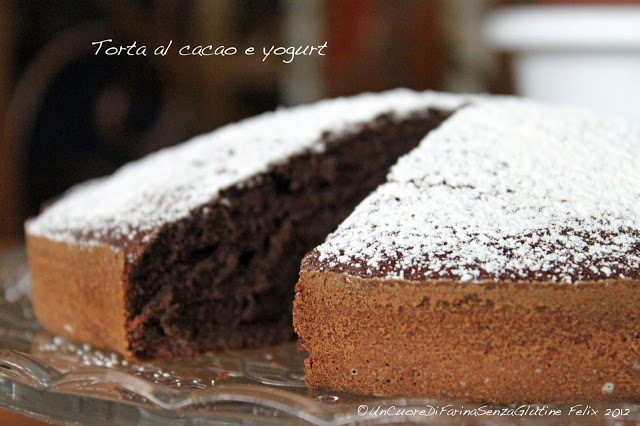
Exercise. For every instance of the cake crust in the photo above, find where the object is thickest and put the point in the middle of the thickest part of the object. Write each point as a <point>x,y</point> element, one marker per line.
<point>497,342</point>
<point>78,290</point>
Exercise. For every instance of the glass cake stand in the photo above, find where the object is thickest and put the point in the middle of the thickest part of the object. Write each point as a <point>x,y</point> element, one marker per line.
<point>50,378</point>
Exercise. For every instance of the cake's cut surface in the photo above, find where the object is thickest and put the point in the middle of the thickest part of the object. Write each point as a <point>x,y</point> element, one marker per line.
<point>500,262</point>
<point>197,247</point>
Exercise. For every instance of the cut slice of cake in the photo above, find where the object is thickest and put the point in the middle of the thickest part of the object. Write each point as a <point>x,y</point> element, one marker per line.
<point>500,262</point>
<point>198,247</point>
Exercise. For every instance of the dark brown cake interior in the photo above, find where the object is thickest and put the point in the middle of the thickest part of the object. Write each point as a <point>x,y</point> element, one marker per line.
<point>224,277</point>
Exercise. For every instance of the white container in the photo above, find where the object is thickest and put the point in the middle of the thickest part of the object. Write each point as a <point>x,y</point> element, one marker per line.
<point>579,55</point>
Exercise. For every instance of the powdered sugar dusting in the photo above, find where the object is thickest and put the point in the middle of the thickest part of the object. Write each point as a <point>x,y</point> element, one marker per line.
<point>504,190</point>
<point>168,185</point>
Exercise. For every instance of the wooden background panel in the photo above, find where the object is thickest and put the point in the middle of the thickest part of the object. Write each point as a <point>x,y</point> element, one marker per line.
<point>9,226</point>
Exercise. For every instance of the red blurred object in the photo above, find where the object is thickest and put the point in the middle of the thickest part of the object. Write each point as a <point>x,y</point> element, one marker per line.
<point>378,45</point>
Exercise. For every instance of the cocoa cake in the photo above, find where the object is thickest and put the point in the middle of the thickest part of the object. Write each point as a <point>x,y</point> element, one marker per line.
<point>500,262</point>
<point>198,247</point>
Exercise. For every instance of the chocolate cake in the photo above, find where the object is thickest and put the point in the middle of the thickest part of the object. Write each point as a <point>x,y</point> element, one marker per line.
<point>198,247</point>
<point>500,262</point>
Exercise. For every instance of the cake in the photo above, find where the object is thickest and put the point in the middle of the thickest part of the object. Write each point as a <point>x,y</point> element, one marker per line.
<point>499,262</point>
<point>197,247</point>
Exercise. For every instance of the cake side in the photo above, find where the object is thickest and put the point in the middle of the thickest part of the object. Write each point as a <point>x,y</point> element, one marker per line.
<point>79,291</point>
<point>498,342</point>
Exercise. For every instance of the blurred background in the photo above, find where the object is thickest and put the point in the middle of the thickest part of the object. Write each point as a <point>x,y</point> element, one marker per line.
<point>68,115</point>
